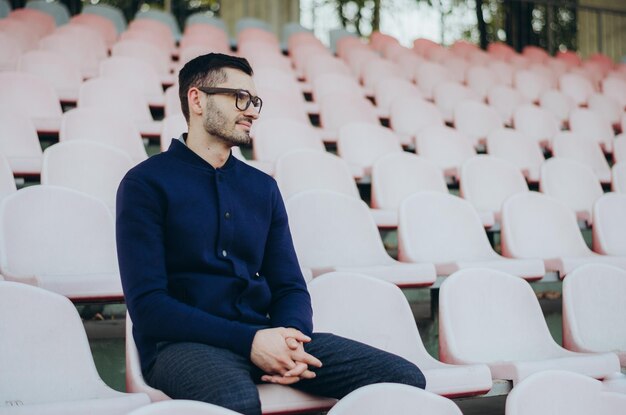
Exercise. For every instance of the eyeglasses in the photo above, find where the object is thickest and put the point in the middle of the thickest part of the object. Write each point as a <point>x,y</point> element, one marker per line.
<point>243,98</point>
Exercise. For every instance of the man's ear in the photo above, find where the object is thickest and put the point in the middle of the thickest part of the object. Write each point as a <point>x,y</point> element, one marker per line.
<point>194,100</point>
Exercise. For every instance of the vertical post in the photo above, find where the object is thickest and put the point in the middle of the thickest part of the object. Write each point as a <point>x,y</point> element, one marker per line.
<point>551,24</point>
<point>599,24</point>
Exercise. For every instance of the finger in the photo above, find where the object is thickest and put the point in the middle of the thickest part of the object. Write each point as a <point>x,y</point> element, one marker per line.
<point>307,374</point>
<point>296,334</point>
<point>280,380</point>
<point>298,370</point>
<point>292,343</point>
<point>304,357</point>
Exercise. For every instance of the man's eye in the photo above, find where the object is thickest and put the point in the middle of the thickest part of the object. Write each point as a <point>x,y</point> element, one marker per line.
<point>242,96</point>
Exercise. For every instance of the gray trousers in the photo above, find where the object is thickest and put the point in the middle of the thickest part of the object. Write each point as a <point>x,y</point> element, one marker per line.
<point>205,373</point>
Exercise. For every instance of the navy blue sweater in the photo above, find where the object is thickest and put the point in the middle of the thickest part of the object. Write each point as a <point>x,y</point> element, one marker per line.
<point>205,254</point>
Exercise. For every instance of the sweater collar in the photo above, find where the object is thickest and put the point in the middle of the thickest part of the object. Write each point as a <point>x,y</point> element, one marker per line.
<point>178,148</point>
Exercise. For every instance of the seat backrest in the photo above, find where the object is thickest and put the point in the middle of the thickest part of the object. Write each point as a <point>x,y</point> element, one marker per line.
<point>576,87</point>
<point>306,169</point>
<point>505,100</point>
<point>480,79</point>
<point>536,123</point>
<point>606,107</point>
<point>40,22</point>
<point>609,233</point>
<point>619,144</point>
<point>389,89</point>
<point>281,102</point>
<point>379,69</point>
<point>386,323</point>
<point>28,95</point>
<point>44,353</point>
<point>10,52</point>
<point>518,150</point>
<point>203,19</point>
<point>103,94</point>
<point>57,10</point>
<point>530,83</point>
<point>274,137</point>
<point>112,13</point>
<point>162,17</point>
<point>145,51</point>
<point>428,75</point>
<point>476,119</point>
<point>172,101</point>
<point>398,175</point>
<point>53,67</point>
<point>7,181</point>
<point>50,230</point>
<point>618,172</point>
<point>331,229</point>
<point>535,225</point>
<point>182,406</point>
<point>571,182</point>
<point>86,166</point>
<point>593,308</point>
<point>445,146</point>
<point>109,128</point>
<point>486,181</point>
<point>324,64</point>
<point>439,227</point>
<point>341,108</point>
<point>573,146</point>
<point>505,324</point>
<point>409,115</point>
<point>557,103</point>
<point>104,26</point>
<point>173,127</point>
<point>554,392</point>
<point>331,83</point>
<point>18,139</point>
<point>363,143</point>
<point>134,73</point>
<point>448,94</point>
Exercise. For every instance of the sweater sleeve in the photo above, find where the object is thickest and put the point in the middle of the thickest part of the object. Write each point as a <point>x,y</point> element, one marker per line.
<point>291,302</point>
<point>141,257</point>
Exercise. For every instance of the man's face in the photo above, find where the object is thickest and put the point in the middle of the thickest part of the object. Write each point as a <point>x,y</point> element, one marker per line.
<point>223,119</point>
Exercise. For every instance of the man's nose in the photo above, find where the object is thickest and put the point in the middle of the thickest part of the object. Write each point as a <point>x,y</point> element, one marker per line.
<point>251,112</point>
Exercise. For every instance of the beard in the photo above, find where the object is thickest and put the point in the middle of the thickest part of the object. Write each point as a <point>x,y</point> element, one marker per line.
<point>217,124</point>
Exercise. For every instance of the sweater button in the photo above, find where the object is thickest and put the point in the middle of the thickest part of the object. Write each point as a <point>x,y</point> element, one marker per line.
<point>224,253</point>
<point>227,215</point>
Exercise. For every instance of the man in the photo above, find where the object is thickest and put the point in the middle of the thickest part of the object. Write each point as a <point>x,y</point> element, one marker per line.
<point>210,275</point>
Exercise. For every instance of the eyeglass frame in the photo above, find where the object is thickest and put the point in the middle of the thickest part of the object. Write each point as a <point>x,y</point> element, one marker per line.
<point>235,92</point>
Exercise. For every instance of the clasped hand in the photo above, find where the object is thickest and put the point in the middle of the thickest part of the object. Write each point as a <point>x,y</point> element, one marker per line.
<point>279,352</point>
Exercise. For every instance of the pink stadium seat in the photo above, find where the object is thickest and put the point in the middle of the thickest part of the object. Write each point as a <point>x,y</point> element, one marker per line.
<point>149,53</point>
<point>173,127</point>
<point>481,79</point>
<point>88,36</point>
<point>10,51</point>
<point>7,181</point>
<point>113,96</point>
<point>535,54</point>
<point>398,175</point>
<point>213,39</point>
<point>64,75</point>
<point>96,125</point>
<point>377,70</point>
<point>335,232</point>
<point>570,57</point>
<point>89,167</point>
<point>361,144</point>
<point>593,127</point>
<point>593,309</point>
<point>448,94</point>
<point>514,341</point>
<point>32,97</point>
<point>504,72</point>
<point>135,74</point>
<point>274,137</point>
<point>554,392</point>
<point>47,364</point>
<point>172,101</point>
<point>573,183</point>
<point>307,169</point>
<point>428,75</point>
<point>421,45</point>
<point>615,88</point>
<point>546,73</point>
<point>358,59</point>
<point>61,240</point>
<point>39,22</point>
<point>282,103</point>
<point>500,50</point>
<point>153,29</point>
<point>559,104</point>
<point>408,63</point>
<point>77,50</point>
<point>447,231</point>
<point>180,406</point>
<point>476,120</point>
<point>536,123</point>
<point>104,26</point>
<point>446,147</point>
<point>531,84</point>
<point>389,90</point>
<point>324,64</point>
<point>19,144</point>
<point>517,149</point>
<point>572,146</point>
<point>333,83</point>
<point>505,100</point>
<point>606,107</point>
<point>486,181</point>
<point>342,108</point>
<point>20,33</point>
<point>387,324</point>
<point>457,67</point>
<point>275,399</point>
<point>576,87</point>
<point>410,115</point>
<point>609,232</point>
<point>618,172</point>
<point>535,225</point>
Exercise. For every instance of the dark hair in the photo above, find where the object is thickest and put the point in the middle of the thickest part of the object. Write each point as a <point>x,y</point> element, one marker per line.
<point>206,70</point>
